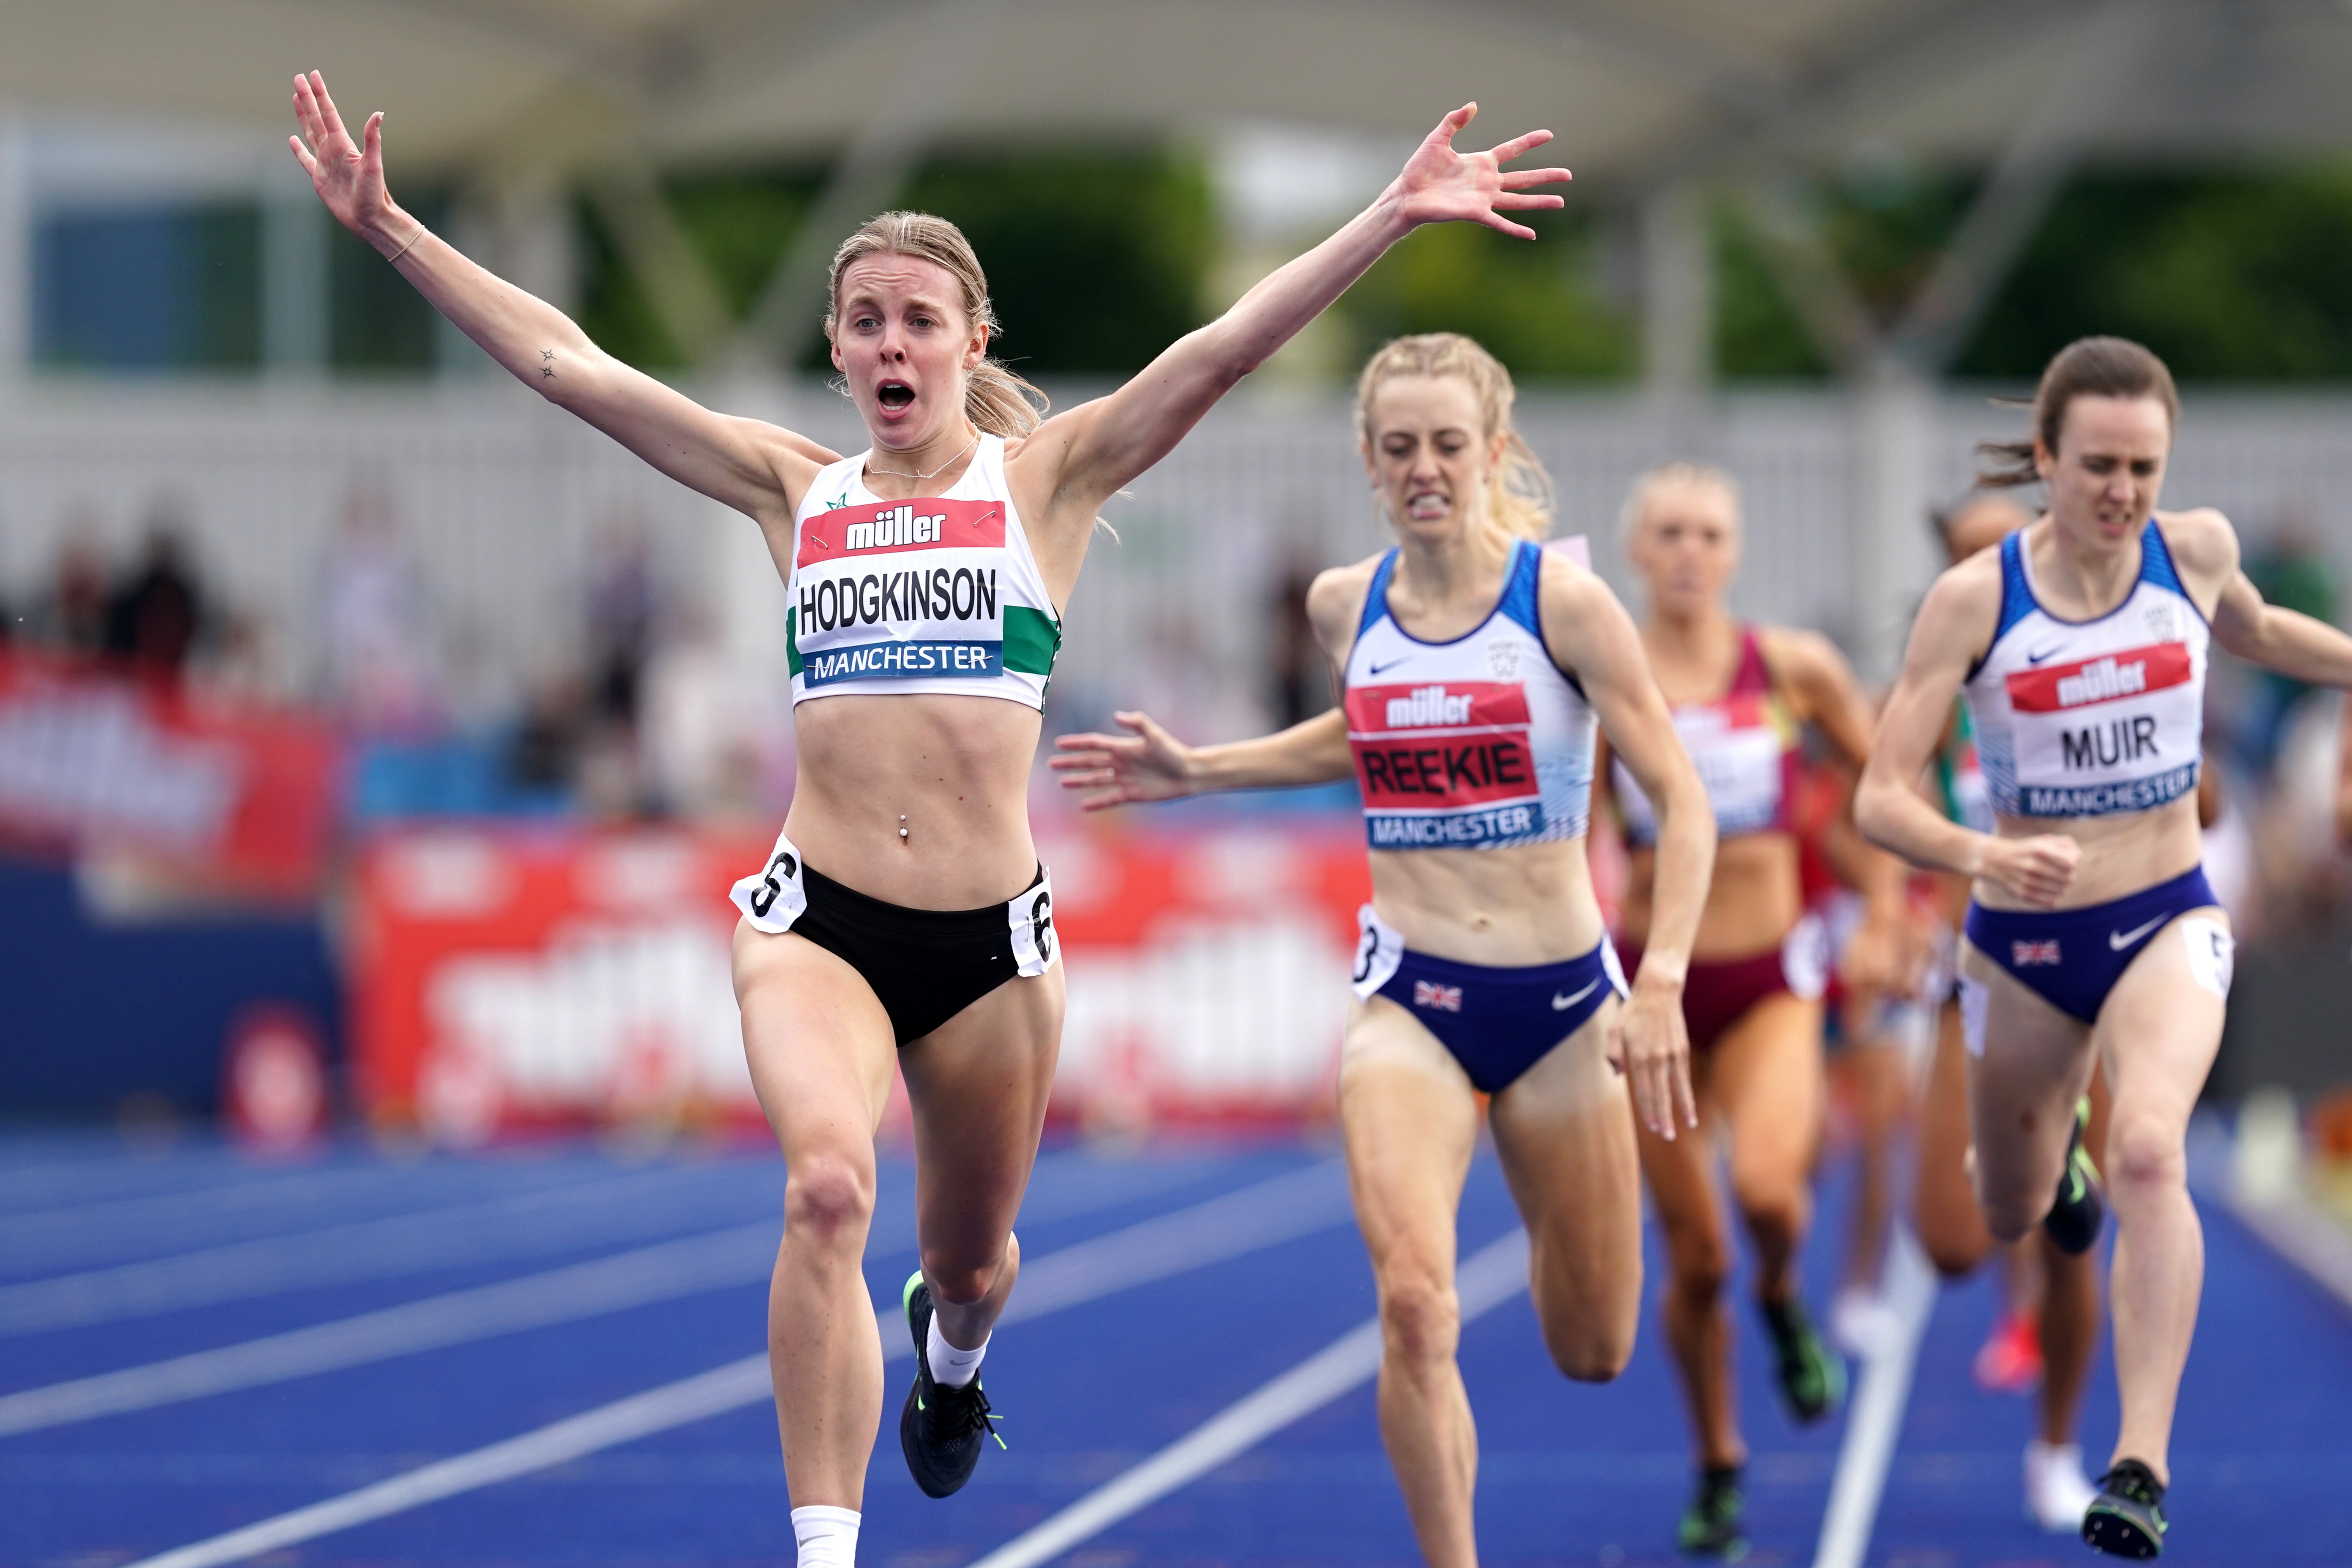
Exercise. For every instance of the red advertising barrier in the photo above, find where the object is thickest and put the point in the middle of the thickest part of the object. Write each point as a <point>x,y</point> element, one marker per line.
<point>507,979</point>
<point>233,797</point>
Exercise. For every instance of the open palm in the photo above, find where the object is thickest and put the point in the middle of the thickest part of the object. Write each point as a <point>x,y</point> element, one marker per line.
<point>1438,184</point>
<point>347,174</point>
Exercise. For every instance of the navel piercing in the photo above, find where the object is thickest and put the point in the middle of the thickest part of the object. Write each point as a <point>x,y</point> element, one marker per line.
<point>902,826</point>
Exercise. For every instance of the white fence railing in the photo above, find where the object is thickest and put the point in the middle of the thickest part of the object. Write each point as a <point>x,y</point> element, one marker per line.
<point>502,498</point>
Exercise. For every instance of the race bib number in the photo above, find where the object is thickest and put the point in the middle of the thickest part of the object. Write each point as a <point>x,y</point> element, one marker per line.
<point>900,589</point>
<point>1378,950</point>
<point>1444,766</point>
<point>1031,919</point>
<point>772,898</point>
<point>2117,732</point>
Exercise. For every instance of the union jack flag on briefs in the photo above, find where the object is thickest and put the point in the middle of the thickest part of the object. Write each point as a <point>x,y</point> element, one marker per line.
<point>1429,994</point>
<point>2022,953</point>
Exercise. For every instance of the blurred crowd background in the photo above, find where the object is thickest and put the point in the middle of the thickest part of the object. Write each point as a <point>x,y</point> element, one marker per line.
<point>257,499</point>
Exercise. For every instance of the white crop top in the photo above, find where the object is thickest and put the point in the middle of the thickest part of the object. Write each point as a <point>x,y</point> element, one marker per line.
<point>2090,717</point>
<point>936,595</point>
<point>1475,744</point>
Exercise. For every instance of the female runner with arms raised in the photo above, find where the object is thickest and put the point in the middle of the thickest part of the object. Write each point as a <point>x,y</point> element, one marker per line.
<point>2081,645</point>
<point>926,582</point>
<point>1474,664</point>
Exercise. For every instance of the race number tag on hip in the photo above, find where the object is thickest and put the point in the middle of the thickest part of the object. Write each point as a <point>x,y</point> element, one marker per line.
<point>1031,917</point>
<point>1378,950</point>
<point>2213,954</point>
<point>772,898</point>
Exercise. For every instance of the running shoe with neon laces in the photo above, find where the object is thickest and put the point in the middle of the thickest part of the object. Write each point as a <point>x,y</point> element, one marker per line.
<point>941,1429</point>
<point>2073,1219</point>
<point>1711,1525</point>
<point>2009,1361</point>
<point>2057,1497</point>
<point>1812,1376</point>
<point>2127,1519</point>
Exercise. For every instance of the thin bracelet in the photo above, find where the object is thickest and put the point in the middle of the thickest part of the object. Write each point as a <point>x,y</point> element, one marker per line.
<point>405,249</point>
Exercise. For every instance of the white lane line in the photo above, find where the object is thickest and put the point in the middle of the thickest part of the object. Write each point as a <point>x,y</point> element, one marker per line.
<point>1485,1281</point>
<point>1289,1207</point>
<point>1876,1420</point>
<point>664,1272</point>
<point>2305,1235</point>
<point>530,1224</point>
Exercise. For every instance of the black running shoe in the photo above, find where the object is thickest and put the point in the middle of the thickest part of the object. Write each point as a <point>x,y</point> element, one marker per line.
<point>1813,1375</point>
<point>2073,1219</point>
<point>941,1429</point>
<point>1710,1526</point>
<point>2127,1519</point>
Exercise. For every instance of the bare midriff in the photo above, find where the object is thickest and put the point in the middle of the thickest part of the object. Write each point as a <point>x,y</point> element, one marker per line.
<point>2121,853</point>
<point>953,771</point>
<point>1752,903</point>
<point>1505,908</point>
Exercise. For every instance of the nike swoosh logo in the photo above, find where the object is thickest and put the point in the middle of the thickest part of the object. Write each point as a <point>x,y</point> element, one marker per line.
<point>2038,658</point>
<point>1561,1004</point>
<point>1391,663</point>
<point>2119,940</point>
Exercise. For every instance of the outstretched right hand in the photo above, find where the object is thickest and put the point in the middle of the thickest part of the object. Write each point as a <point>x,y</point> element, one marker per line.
<point>347,174</point>
<point>2038,869</point>
<point>1124,770</point>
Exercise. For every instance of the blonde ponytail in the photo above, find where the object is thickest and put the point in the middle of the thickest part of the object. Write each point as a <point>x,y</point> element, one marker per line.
<point>995,400</point>
<point>1522,497</point>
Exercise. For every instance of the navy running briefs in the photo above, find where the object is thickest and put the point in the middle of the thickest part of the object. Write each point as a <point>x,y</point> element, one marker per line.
<point>1498,1023</point>
<point>2073,958</point>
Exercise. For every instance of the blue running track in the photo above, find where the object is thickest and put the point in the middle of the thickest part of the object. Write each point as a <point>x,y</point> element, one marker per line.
<point>114,1258</point>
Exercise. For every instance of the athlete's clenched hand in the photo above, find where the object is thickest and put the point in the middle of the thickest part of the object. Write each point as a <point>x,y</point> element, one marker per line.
<point>2038,869</point>
<point>1438,184</point>
<point>1124,770</point>
<point>1649,1043</point>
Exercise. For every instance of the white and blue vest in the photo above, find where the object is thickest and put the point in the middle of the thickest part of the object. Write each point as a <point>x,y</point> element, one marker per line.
<point>2092,718</point>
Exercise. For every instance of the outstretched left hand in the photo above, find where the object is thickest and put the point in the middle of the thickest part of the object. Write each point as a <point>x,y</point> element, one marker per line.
<point>1438,184</point>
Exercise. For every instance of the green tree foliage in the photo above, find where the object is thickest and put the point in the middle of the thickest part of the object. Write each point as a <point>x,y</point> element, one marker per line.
<point>2230,277</point>
<point>1539,308</point>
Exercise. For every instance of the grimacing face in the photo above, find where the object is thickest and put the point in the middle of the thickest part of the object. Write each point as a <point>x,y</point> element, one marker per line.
<point>1686,547</point>
<point>902,342</point>
<point>2108,470</point>
<point>1428,453</point>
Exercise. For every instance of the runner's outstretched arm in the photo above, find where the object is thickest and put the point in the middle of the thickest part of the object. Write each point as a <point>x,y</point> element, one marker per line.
<point>752,466</point>
<point>1105,444</point>
<point>1152,764</point>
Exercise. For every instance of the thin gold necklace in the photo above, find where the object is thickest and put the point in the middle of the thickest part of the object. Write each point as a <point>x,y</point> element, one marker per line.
<point>919,477</point>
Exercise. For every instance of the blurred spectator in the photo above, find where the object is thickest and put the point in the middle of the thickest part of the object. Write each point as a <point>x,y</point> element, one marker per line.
<point>543,753</point>
<point>1301,684</point>
<point>623,614</point>
<point>382,672</point>
<point>157,613</point>
<point>246,663</point>
<point>71,617</point>
<point>699,727</point>
<point>2289,570</point>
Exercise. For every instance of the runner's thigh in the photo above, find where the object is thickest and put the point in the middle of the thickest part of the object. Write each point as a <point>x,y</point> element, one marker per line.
<point>1768,1085</point>
<point>1410,1121</point>
<point>818,1045</point>
<point>2158,1035</point>
<point>2034,1064</point>
<point>978,1086</point>
<point>1565,1133</point>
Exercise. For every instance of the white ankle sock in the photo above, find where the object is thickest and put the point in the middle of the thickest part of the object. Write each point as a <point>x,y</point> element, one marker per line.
<point>949,1366</point>
<point>828,1536</point>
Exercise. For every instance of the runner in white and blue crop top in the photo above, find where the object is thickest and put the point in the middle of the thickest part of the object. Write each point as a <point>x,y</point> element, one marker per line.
<point>902,920</point>
<point>1475,665</point>
<point>2081,647</point>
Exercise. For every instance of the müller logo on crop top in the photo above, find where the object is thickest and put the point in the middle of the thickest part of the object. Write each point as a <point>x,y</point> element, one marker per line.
<point>1426,706</point>
<point>902,525</point>
<point>2131,673</point>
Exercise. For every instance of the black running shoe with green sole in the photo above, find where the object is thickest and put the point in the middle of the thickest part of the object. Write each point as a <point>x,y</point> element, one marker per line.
<point>2073,1219</point>
<point>2127,1519</point>
<point>1812,1375</point>
<point>1711,1525</point>
<point>941,1429</point>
